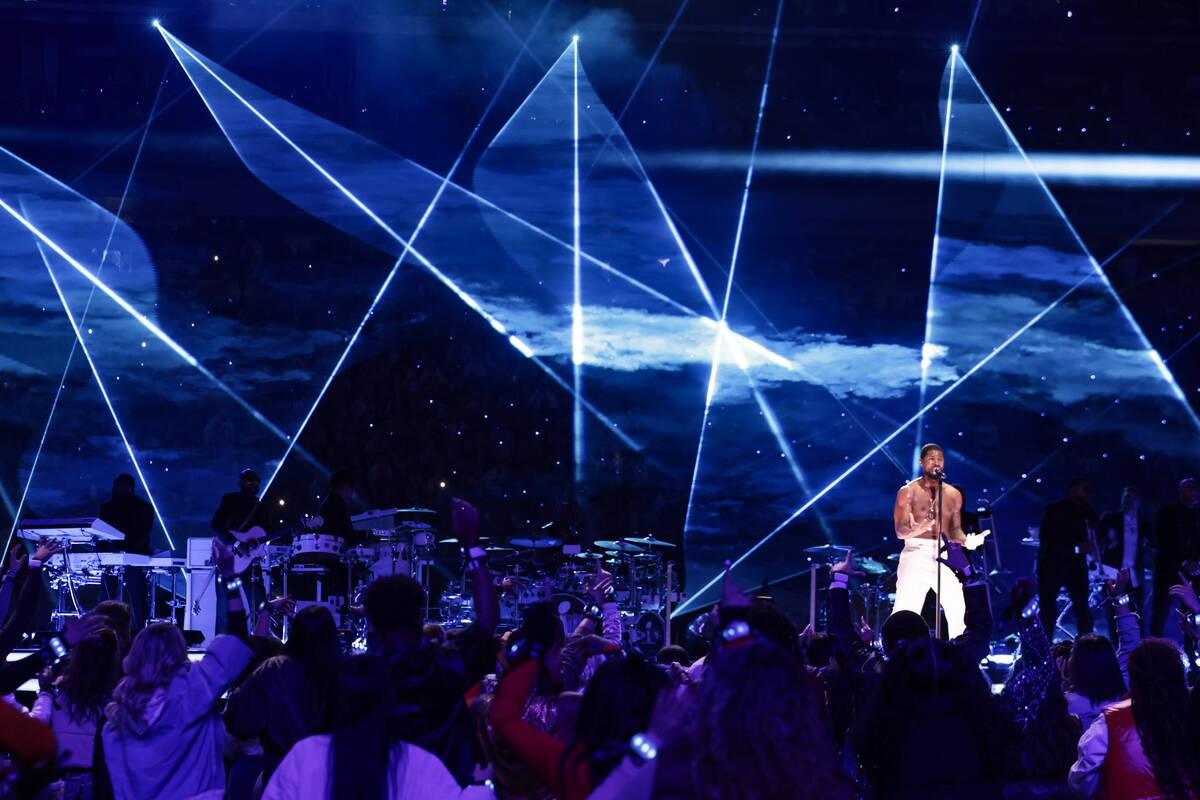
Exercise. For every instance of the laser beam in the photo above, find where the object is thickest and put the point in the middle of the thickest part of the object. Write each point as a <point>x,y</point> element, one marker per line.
<point>577,308</point>
<point>513,340</point>
<point>91,294</point>
<point>177,47</point>
<point>104,393</point>
<point>722,324</point>
<point>887,440</point>
<point>926,359</point>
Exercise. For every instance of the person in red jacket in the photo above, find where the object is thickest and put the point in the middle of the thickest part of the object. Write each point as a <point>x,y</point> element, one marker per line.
<point>1143,748</point>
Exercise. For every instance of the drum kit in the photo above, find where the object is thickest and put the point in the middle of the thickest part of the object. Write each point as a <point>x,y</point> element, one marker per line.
<point>538,567</point>
<point>541,568</point>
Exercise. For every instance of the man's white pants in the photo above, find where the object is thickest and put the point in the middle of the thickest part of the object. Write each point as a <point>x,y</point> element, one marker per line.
<point>917,574</point>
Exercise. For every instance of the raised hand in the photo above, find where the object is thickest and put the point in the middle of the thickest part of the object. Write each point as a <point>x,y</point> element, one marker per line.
<point>732,595</point>
<point>1186,593</point>
<point>46,548</point>
<point>846,566</point>
<point>1118,587</point>
<point>16,557</point>
<point>1186,625</point>
<point>864,631</point>
<point>283,605</point>
<point>599,584</point>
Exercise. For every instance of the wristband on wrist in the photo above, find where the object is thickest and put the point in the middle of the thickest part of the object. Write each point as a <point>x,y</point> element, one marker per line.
<point>736,633</point>
<point>35,564</point>
<point>840,580</point>
<point>643,748</point>
<point>233,585</point>
<point>474,565</point>
<point>476,553</point>
<point>1121,600</point>
<point>59,648</point>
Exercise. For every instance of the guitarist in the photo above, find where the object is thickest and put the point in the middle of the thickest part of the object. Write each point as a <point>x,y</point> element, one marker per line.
<point>240,511</point>
<point>1066,538</point>
<point>1123,536</point>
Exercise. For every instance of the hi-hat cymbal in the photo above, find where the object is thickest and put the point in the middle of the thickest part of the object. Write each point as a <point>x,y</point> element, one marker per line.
<point>828,550</point>
<point>648,541</point>
<point>498,550</point>
<point>535,543</point>
<point>620,547</point>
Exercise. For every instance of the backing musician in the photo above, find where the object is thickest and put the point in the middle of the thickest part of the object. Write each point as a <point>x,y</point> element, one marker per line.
<point>134,517</point>
<point>1065,540</point>
<point>240,511</point>
<point>335,513</point>
<point>916,517</point>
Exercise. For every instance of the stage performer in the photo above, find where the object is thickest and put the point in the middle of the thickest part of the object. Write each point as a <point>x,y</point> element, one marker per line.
<point>240,511</point>
<point>916,518</point>
<point>134,517</point>
<point>335,512</point>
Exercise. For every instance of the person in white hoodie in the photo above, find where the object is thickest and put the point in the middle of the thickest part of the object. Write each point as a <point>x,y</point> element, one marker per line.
<point>164,736</point>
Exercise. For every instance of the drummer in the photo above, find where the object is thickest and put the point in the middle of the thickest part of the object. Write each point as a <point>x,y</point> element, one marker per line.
<point>334,512</point>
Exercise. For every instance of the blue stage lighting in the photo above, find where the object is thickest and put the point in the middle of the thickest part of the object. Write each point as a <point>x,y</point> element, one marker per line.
<point>104,393</point>
<point>577,308</point>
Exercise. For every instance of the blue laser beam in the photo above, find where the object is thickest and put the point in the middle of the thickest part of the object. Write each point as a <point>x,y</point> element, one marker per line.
<point>513,340</point>
<point>888,439</point>
<point>104,393</point>
<point>1137,329</point>
<point>16,514</point>
<point>926,355</point>
<point>1097,274</point>
<point>155,23</point>
<point>177,47</point>
<point>637,86</point>
<point>722,325</point>
<point>577,308</point>
<point>149,325</point>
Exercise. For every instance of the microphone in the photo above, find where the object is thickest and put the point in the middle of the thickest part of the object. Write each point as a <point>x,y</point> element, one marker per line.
<point>939,474</point>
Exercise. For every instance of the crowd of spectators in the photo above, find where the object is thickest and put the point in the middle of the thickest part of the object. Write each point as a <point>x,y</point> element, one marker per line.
<point>541,712</point>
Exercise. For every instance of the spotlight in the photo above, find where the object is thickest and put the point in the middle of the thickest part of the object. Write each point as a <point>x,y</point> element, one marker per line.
<point>575,39</point>
<point>154,22</point>
<point>953,48</point>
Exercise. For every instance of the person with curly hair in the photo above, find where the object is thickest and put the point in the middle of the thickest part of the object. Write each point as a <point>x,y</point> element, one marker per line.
<point>1145,746</point>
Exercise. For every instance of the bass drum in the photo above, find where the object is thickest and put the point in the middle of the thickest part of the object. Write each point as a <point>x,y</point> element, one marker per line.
<point>648,634</point>
<point>569,608</point>
<point>317,548</point>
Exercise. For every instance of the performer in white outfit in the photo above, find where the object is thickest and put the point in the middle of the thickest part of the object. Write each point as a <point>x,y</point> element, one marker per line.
<point>916,523</point>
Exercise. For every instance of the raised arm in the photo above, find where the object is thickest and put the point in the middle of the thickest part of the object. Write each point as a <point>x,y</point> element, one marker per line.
<point>464,521</point>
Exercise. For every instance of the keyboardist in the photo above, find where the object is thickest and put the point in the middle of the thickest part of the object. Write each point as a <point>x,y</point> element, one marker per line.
<point>134,517</point>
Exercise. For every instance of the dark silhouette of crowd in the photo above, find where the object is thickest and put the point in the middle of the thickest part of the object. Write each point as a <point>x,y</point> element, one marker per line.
<point>543,711</point>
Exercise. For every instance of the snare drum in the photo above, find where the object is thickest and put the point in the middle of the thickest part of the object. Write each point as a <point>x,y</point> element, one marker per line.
<point>317,548</point>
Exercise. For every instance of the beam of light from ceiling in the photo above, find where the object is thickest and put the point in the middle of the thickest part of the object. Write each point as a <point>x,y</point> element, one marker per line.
<point>104,393</point>
<point>971,27</point>
<point>83,316</point>
<point>1098,274</point>
<point>155,23</point>
<point>1137,329</point>
<point>149,325</point>
<point>179,47</point>
<point>636,164</point>
<point>577,306</point>
<point>637,86</point>
<point>1138,171</point>
<point>1029,473</point>
<point>337,367</point>
<point>926,354</point>
<point>887,440</point>
<point>722,324</point>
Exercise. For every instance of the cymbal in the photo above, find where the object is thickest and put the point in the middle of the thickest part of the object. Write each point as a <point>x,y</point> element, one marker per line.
<point>828,550</point>
<point>648,541</point>
<point>605,557</point>
<point>535,543</point>
<point>620,547</point>
<point>497,550</point>
<point>872,567</point>
<point>481,540</point>
<point>894,558</point>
